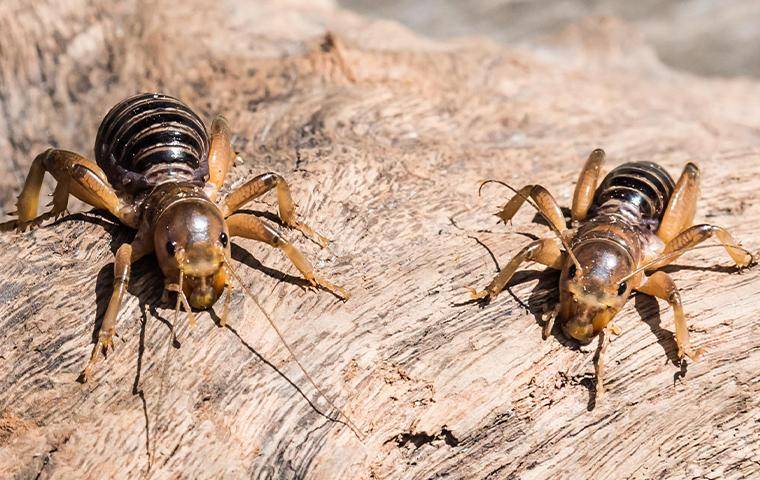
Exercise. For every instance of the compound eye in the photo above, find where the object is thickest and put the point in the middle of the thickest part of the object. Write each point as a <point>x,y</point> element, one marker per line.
<point>224,239</point>
<point>571,271</point>
<point>622,288</point>
<point>171,247</point>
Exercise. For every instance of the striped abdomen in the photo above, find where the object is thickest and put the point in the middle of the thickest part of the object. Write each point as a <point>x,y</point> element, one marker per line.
<point>150,139</point>
<point>642,187</point>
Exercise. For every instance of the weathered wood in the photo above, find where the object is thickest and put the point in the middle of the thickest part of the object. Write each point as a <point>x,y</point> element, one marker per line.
<point>384,137</point>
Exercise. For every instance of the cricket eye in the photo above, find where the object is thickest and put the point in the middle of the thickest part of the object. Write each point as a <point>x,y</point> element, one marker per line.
<point>171,247</point>
<point>622,288</point>
<point>224,239</point>
<point>571,271</point>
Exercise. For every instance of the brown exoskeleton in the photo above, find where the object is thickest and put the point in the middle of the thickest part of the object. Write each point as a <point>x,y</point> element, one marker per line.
<point>633,223</point>
<point>158,171</point>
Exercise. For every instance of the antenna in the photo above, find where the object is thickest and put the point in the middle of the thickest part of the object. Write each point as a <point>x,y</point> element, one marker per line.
<point>255,299</point>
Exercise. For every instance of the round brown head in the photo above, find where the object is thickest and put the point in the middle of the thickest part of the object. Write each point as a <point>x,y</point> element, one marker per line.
<point>593,292</point>
<point>191,237</point>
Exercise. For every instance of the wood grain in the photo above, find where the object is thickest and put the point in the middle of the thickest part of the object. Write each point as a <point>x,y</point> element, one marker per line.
<point>383,136</point>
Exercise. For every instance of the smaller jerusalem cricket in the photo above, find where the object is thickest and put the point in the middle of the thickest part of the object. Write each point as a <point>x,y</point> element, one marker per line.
<point>625,229</point>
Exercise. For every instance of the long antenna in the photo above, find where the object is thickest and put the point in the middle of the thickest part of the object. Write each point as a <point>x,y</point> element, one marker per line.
<point>255,299</point>
<point>181,301</point>
<point>548,220</point>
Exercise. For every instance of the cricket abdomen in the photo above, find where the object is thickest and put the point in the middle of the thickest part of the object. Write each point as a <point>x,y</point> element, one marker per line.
<point>149,139</point>
<point>640,188</point>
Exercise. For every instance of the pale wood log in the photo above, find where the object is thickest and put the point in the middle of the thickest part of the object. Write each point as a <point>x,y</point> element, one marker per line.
<point>383,137</point>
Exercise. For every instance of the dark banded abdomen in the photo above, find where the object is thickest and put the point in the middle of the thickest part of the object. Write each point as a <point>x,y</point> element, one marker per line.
<point>645,186</point>
<point>149,139</point>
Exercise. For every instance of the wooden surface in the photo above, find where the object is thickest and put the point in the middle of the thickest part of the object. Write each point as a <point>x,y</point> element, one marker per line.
<point>384,137</point>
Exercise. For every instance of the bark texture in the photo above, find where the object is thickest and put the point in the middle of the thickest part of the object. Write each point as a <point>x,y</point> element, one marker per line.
<point>383,136</point>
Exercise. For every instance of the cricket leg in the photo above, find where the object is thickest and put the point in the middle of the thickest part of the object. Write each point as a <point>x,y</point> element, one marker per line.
<point>262,184</point>
<point>679,215</point>
<point>697,234</point>
<point>660,285</point>
<point>125,256</point>
<point>75,175</point>
<point>544,202</point>
<point>546,251</point>
<point>585,189</point>
<point>220,156</point>
<point>249,226</point>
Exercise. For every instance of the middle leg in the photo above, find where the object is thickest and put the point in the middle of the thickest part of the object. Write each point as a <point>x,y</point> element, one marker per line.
<point>260,185</point>
<point>697,234</point>
<point>75,175</point>
<point>545,251</point>
<point>126,255</point>
<point>248,226</point>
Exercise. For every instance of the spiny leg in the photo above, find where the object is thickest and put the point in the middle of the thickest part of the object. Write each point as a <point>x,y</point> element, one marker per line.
<point>76,175</point>
<point>696,235</point>
<point>28,201</point>
<point>682,205</point>
<point>545,251</point>
<point>125,256</point>
<point>260,185</point>
<point>544,200</point>
<point>220,156</point>
<point>585,189</point>
<point>248,226</point>
<point>660,285</point>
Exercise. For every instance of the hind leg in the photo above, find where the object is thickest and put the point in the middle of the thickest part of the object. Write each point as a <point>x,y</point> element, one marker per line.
<point>585,189</point>
<point>682,206</point>
<point>220,156</point>
<point>75,175</point>
<point>259,186</point>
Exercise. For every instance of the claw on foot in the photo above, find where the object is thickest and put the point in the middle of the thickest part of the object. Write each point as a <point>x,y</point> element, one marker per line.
<point>21,227</point>
<point>104,343</point>
<point>340,292</point>
<point>694,355</point>
<point>311,234</point>
<point>478,295</point>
